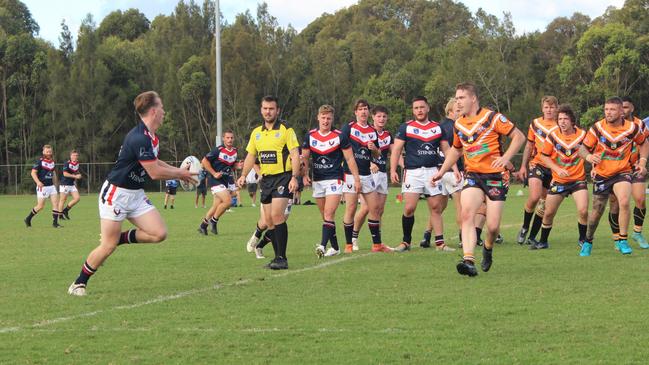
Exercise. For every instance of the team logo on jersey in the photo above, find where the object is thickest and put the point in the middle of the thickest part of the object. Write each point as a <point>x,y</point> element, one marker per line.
<point>277,135</point>
<point>258,136</point>
<point>357,133</point>
<point>314,143</point>
<point>116,211</point>
<point>470,139</point>
<point>332,142</point>
<point>415,131</point>
<point>602,139</point>
<point>568,153</point>
<point>503,119</point>
<point>539,131</point>
<point>613,145</point>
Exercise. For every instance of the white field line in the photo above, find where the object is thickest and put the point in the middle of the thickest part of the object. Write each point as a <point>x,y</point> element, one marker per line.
<point>236,330</point>
<point>179,295</point>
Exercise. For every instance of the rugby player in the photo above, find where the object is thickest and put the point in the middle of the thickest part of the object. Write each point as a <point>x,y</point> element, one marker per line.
<point>378,168</point>
<point>170,193</point>
<point>561,154</point>
<point>478,133</point>
<point>219,164</point>
<point>364,141</point>
<point>44,175</point>
<point>122,195</point>
<point>608,146</point>
<point>327,148</point>
<point>537,174</point>
<point>68,186</point>
<point>424,142</point>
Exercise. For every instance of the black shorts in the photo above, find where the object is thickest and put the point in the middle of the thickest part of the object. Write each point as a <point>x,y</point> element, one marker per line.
<point>252,187</point>
<point>638,179</point>
<point>300,185</point>
<point>542,173</point>
<point>275,186</point>
<point>171,191</point>
<point>201,190</point>
<point>495,186</point>
<point>566,189</point>
<point>604,186</point>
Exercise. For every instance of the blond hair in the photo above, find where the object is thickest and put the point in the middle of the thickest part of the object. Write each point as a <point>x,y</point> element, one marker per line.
<point>450,105</point>
<point>326,109</point>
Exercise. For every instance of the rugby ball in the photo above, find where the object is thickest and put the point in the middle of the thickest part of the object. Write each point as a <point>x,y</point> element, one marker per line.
<point>192,164</point>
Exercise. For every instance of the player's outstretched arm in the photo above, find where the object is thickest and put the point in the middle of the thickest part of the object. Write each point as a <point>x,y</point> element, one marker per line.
<point>159,170</point>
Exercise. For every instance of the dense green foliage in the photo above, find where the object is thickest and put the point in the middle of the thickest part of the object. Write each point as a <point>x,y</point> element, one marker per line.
<point>79,94</point>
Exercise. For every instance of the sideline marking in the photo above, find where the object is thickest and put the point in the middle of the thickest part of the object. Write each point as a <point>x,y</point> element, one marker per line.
<point>179,295</point>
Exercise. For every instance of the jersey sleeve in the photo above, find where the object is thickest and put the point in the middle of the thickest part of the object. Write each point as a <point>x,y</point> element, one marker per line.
<point>639,137</point>
<point>36,165</point>
<point>530,133</point>
<point>252,146</point>
<point>344,140</point>
<point>503,125</point>
<point>291,139</point>
<point>447,133</point>
<point>401,132</point>
<point>590,141</point>
<point>213,154</point>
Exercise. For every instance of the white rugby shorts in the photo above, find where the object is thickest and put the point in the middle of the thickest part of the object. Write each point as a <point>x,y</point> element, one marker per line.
<point>45,191</point>
<point>367,184</point>
<point>324,188</point>
<point>67,189</point>
<point>449,186</point>
<point>117,203</point>
<point>419,181</point>
<point>381,182</point>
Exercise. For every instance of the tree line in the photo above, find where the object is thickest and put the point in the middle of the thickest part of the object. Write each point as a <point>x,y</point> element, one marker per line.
<point>78,94</point>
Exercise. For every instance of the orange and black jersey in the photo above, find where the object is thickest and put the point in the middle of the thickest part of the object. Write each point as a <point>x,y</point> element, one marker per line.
<point>563,149</point>
<point>539,130</point>
<point>479,137</point>
<point>635,152</point>
<point>613,144</point>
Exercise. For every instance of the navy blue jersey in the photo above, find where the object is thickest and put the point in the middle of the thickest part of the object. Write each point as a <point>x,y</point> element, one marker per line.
<point>202,176</point>
<point>422,143</point>
<point>359,137</point>
<point>222,160</point>
<point>447,128</point>
<point>71,168</point>
<point>44,170</point>
<point>139,145</point>
<point>326,154</point>
<point>385,141</point>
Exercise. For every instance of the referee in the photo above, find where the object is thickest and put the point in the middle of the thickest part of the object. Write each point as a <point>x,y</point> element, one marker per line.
<point>272,144</point>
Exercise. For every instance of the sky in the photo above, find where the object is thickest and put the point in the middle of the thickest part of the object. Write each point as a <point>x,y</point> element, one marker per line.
<point>528,16</point>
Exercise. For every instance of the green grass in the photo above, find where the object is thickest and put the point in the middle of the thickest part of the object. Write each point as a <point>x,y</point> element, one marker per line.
<point>200,300</point>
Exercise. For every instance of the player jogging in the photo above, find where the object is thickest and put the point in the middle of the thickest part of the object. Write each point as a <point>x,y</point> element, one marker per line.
<point>478,133</point>
<point>608,146</point>
<point>538,174</point>
<point>219,164</point>
<point>68,186</point>
<point>44,175</point>
<point>122,195</point>
<point>170,193</point>
<point>327,148</point>
<point>561,154</point>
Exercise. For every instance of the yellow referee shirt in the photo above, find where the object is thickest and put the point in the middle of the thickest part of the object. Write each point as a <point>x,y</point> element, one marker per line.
<point>272,146</point>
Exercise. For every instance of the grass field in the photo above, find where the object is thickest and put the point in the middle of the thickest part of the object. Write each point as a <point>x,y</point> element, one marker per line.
<point>204,300</point>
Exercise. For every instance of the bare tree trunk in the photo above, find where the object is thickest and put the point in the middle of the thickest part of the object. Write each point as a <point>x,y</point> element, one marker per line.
<point>6,126</point>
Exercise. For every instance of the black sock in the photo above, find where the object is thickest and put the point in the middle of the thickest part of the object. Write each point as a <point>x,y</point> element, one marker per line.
<point>527,218</point>
<point>326,233</point>
<point>204,224</point>
<point>545,233</point>
<point>55,216</point>
<point>536,226</point>
<point>460,235</point>
<point>31,214</point>
<point>613,221</point>
<point>478,234</point>
<point>638,217</point>
<point>86,272</point>
<point>375,230</point>
<point>127,237</point>
<point>427,236</point>
<point>258,232</point>
<point>406,224</point>
<point>67,209</point>
<point>334,238</point>
<point>582,231</point>
<point>439,240</point>
<point>267,237</point>
<point>281,236</point>
<point>349,229</point>
<point>214,221</point>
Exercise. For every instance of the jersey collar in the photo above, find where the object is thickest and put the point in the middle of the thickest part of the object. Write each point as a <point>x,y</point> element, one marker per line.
<point>275,126</point>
